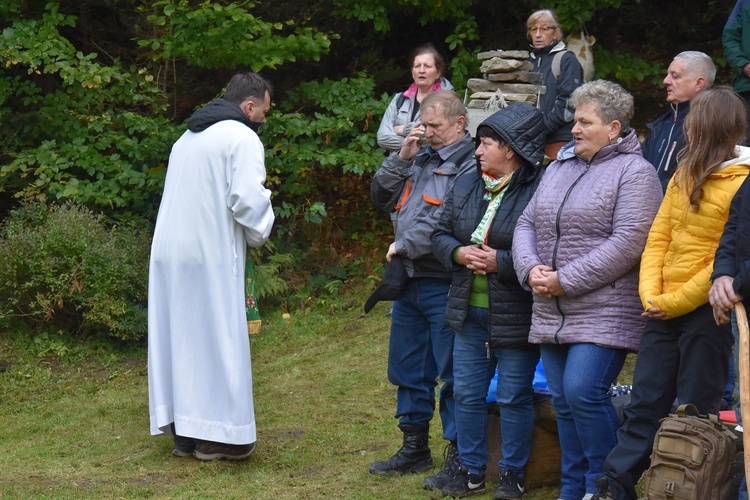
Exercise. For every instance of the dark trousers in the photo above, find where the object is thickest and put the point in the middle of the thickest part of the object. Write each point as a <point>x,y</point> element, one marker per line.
<point>685,358</point>
<point>746,97</point>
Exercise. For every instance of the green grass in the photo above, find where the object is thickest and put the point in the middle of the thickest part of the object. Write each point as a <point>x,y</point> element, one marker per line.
<point>78,428</point>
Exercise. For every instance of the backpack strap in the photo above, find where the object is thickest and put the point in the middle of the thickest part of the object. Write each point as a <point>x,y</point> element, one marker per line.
<point>400,99</point>
<point>682,410</point>
<point>556,61</point>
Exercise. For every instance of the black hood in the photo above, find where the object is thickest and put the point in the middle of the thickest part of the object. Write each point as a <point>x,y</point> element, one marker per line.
<point>522,127</point>
<point>216,111</point>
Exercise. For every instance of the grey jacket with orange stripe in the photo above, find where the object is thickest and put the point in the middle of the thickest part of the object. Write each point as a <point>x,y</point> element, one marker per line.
<point>414,191</point>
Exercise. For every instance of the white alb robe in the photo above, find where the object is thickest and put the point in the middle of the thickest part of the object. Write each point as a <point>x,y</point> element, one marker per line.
<point>214,205</point>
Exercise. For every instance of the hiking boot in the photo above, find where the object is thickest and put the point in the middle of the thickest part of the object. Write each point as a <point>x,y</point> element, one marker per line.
<point>183,446</point>
<point>414,456</point>
<point>447,473</point>
<point>464,484</point>
<point>510,484</point>
<point>602,490</point>
<point>209,450</point>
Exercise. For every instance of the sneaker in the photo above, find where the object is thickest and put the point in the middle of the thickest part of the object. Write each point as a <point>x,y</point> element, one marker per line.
<point>183,446</point>
<point>449,471</point>
<point>464,484</point>
<point>602,490</point>
<point>209,450</point>
<point>510,484</point>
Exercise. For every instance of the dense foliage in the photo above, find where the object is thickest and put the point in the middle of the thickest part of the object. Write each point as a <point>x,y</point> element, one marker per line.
<point>74,128</point>
<point>64,270</point>
<point>94,92</point>
<point>199,34</point>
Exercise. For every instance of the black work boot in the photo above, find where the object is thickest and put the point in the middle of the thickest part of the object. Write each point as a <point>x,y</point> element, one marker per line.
<point>447,473</point>
<point>414,455</point>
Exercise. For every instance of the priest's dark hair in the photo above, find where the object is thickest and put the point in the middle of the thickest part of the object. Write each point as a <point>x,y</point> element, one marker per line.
<point>247,85</point>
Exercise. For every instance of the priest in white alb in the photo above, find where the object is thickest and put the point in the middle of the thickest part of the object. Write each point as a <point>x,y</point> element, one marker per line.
<point>214,205</point>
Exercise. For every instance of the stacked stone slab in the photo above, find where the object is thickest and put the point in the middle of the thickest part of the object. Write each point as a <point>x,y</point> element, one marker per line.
<point>508,71</point>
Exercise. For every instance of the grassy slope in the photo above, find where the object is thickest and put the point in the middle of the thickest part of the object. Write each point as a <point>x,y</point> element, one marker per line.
<point>323,404</point>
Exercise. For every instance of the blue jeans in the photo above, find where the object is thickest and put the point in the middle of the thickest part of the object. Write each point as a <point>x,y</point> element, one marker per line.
<point>420,351</point>
<point>736,332</point>
<point>579,376</point>
<point>473,369</point>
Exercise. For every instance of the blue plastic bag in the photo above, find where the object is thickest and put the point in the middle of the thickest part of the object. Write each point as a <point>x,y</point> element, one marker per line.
<point>539,383</point>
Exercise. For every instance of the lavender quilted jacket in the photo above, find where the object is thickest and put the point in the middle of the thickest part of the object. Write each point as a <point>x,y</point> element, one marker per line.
<point>589,222</point>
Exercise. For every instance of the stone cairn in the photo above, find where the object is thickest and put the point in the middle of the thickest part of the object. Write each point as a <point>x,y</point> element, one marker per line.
<point>507,78</point>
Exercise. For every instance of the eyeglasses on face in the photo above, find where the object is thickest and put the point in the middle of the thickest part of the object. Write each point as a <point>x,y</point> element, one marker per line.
<point>542,29</point>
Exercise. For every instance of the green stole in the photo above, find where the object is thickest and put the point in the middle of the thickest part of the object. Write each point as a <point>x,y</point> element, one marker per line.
<point>251,305</point>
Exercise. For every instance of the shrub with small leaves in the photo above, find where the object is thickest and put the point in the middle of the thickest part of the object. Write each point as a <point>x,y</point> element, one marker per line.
<point>62,268</point>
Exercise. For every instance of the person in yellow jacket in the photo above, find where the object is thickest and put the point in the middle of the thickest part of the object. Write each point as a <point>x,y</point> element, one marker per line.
<point>684,354</point>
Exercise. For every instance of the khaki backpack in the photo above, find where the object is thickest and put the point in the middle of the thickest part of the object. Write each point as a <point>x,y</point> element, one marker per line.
<point>693,458</point>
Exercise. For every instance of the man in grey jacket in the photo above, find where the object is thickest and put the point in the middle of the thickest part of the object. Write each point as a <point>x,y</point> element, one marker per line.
<point>413,184</point>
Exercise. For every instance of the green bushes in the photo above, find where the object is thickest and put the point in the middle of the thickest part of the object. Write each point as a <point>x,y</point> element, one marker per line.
<point>77,128</point>
<point>321,151</point>
<point>62,269</point>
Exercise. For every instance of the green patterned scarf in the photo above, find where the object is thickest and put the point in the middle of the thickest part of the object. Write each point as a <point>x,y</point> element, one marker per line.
<point>251,305</point>
<point>494,191</point>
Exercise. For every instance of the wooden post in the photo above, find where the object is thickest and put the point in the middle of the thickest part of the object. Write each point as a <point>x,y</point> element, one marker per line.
<point>744,354</point>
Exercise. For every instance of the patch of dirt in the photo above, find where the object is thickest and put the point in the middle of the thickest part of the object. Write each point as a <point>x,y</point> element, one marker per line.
<point>307,472</point>
<point>88,484</point>
<point>284,435</point>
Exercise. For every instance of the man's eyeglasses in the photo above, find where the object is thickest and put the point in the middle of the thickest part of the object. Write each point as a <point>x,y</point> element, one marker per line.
<point>543,29</point>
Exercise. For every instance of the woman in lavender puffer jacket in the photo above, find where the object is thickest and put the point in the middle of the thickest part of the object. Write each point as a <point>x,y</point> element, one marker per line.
<point>577,246</point>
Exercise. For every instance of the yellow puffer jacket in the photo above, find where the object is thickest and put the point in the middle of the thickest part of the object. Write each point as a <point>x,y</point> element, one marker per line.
<point>679,256</point>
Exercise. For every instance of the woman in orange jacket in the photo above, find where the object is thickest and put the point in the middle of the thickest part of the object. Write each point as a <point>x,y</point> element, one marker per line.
<point>683,355</point>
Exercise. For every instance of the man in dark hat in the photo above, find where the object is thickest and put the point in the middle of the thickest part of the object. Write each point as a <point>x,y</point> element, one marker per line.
<point>413,184</point>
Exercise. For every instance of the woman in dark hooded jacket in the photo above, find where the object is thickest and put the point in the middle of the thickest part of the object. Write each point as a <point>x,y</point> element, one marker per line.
<point>487,306</point>
<point>545,34</point>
